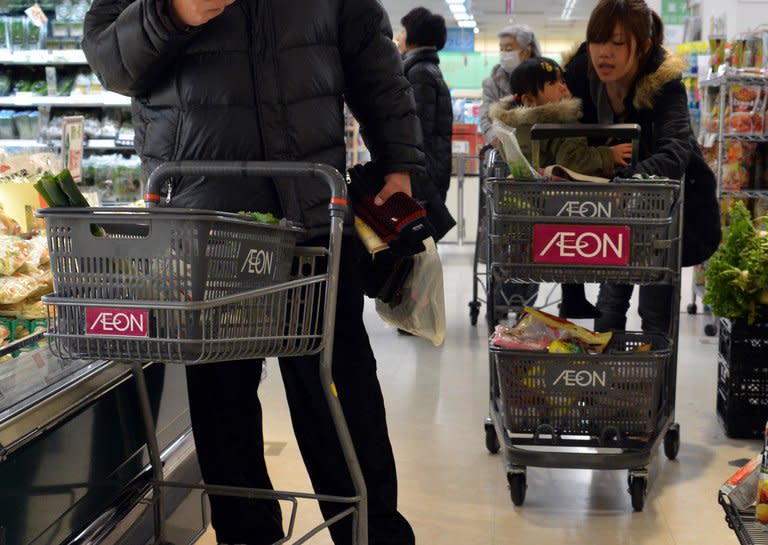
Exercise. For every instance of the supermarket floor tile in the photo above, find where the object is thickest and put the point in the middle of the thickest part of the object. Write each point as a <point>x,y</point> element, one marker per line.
<point>454,492</point>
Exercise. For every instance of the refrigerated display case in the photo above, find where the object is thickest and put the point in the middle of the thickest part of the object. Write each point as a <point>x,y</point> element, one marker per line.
<point>73,467</point>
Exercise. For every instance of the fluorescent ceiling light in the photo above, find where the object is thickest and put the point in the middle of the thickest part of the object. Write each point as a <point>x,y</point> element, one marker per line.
<point>462,16</point>
<point>568,9</point>
<point>452,2</point>
<point>467,24</point>
<point>457,8</point>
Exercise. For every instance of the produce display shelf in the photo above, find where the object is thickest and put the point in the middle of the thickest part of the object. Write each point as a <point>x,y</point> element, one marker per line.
<point>100,100</point>
<point>44,57</point>
<point>747,137</point>
<point>92,144</point>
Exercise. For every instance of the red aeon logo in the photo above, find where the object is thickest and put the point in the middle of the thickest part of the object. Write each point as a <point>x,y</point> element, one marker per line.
<point>116,322</point>
<point>581,244</point>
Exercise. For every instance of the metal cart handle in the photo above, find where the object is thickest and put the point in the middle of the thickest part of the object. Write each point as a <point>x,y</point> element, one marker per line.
<point>248,169</point>
<point>548,131</point>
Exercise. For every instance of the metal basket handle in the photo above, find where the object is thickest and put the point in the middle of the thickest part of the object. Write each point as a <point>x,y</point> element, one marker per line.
<point>249,169</point>
<point>548,131</point>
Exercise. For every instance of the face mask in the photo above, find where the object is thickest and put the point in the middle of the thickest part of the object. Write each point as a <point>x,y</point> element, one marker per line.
<point>509,60</point>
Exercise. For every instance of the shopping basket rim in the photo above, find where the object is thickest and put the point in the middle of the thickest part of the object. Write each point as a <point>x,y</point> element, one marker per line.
<point>174,213</point>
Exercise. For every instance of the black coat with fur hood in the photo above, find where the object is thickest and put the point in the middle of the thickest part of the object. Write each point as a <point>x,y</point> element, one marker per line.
<point>658,102</point>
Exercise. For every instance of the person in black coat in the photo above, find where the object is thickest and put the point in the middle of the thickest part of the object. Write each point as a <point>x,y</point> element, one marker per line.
<point>267,80</point>
<point>623,74</point>
<point>423,35</point>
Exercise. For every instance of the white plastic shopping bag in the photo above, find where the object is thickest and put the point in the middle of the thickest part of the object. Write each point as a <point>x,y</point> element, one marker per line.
<point>421,309</point>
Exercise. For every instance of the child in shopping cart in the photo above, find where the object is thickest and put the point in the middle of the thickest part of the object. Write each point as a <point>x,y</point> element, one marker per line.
<point>540,95</point>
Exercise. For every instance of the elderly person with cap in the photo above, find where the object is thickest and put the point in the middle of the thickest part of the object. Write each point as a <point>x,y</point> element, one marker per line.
<point>516,44</point>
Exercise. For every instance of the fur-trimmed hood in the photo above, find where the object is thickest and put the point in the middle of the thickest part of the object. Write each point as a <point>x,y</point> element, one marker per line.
<point>565,111</point>
<point>663,67</point>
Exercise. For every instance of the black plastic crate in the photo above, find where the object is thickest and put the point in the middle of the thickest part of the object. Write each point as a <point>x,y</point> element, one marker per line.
<point>742,377</point>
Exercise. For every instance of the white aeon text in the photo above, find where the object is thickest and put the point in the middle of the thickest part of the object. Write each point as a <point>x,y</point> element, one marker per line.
<point>586,209</point>
<point>571,244</point>
<point>583,378</point>
<point>258,262</point>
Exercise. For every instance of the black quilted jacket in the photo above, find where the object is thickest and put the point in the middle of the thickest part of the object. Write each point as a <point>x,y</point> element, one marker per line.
<point>267,79</point>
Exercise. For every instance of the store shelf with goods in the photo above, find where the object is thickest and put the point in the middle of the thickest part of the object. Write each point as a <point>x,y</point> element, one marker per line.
<point>44,57</point>
<point>106,99</point>
<point>740,79</point>
<point>105,144</point>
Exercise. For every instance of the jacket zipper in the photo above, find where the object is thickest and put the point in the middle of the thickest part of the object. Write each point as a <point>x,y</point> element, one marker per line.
<point>246,7</point>
<point>270,18</point>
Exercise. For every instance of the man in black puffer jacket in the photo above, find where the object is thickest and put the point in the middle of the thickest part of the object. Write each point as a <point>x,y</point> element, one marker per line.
<point>423,35</point>
<point>267,80</point>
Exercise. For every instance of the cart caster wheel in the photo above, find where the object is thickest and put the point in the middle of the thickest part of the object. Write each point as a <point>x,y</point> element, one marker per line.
<point>517,487</point>
<point>692,308</point>
<point>491,439</point>
<point>638,488</point>
<point>474,312</point>
<point>710,330</point>
<point>672,441</point>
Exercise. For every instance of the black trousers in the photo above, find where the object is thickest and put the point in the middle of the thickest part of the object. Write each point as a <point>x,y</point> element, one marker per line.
<point>654,307</point>
<point>227,424</point>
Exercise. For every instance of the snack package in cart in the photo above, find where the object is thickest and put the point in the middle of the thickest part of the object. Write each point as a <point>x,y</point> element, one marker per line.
<point>539,331</point>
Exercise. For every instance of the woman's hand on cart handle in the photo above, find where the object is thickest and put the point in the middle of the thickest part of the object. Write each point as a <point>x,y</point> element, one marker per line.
<point>394,182</point>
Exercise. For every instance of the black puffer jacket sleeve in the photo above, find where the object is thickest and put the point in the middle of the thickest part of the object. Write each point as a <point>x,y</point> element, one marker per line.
<point>425,94</point>
<point>130,43</point>
<point>671,126</point>
<point>376,90</point>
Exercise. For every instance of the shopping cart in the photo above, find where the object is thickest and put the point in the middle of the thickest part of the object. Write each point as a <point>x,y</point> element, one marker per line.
<point>618,404</point>
<point>514,297</point>
<point>192,287</point>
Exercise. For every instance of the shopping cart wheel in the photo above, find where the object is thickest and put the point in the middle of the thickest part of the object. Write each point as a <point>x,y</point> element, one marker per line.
<point>710,330</point>
<point>672,441</point>
<point>491,439</point>
<point>692,308</point>
<point>638,488</point>
<point>474,311</point>
<point>517,487</point>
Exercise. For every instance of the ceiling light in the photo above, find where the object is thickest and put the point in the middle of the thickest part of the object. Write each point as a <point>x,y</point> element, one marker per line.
<point>462,16</point>
<point>452,2</point>
<point>477,30</point>
<point>568,9</point>
<point>457,8</point>
<point>467,24</point>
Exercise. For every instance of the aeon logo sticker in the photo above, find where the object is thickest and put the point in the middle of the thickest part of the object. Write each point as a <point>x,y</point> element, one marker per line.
<point>586,209</point>
<point>583,379</point>
<point>581,244</point>
<point>258,262</point>
<point>118,322</point>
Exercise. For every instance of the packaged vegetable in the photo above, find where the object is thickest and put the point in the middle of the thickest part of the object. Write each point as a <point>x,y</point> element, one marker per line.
<point>33,309</point>
<point>5,330</point>
<point>261,217</point>
<point>20,329</point>
<point>747,109</point>
<point>565,347</point>
<point>519,168</point>
<point>14,252</point>
<point>16,288</point>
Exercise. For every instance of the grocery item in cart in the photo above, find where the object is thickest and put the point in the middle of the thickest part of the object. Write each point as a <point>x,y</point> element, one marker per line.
<point>539,331</point>
<point>519,167</point>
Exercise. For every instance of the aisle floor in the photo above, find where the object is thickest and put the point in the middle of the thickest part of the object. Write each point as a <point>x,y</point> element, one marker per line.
<point>455,493</point>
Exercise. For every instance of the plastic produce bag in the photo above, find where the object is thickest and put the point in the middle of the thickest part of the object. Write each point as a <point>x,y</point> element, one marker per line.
<point>14,289</point>
<point>421,310</point>
<point>519,167</point>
